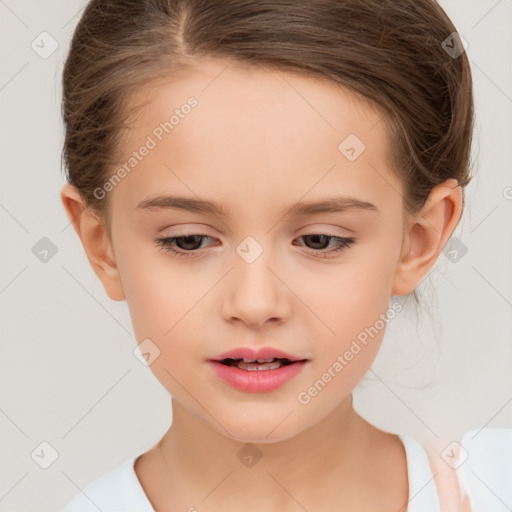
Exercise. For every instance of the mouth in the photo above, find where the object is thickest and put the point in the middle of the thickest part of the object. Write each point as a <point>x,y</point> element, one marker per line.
<point>257,371</point>
<point>251,365</point>
<point>246,356</point>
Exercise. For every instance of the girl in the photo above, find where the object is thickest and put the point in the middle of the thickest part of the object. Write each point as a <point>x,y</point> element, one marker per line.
<point>257,179</point>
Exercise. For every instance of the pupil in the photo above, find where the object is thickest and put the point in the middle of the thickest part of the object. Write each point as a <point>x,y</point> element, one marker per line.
<point>315,238</point>
<point>189,239</point>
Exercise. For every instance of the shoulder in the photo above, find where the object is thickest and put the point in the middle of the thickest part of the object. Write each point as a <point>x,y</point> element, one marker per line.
<point>484,468</point>
<point>116,491</point>
<point>475,472</point>
<point>423,492</point>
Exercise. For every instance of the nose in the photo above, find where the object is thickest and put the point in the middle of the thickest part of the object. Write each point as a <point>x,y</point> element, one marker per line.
<point>254,294</point>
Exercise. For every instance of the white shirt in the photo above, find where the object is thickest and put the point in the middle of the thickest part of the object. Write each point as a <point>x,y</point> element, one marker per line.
<point>485,471</point>
<point>120,489</point>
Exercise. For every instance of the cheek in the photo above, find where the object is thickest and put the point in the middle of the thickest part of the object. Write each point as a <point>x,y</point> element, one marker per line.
<point>157,294</point>
<point>353,295</point>
<point>354,303</point>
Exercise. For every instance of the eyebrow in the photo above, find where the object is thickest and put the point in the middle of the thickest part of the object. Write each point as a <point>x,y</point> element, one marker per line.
<point>331,205</point>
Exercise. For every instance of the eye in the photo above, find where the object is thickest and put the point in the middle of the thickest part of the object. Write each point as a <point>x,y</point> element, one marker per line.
<point>321,239</point>
<point>188,245</point>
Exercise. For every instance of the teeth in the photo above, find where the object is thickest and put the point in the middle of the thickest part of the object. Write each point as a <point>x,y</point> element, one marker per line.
<point>258,360</point>
<point>251,366</point>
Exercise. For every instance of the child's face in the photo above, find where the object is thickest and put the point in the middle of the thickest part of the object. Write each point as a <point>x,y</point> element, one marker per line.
<point>258,143</point>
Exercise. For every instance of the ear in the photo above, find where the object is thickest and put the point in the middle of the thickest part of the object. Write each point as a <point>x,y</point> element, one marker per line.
<point>426,234</point>
<point>95,240</point>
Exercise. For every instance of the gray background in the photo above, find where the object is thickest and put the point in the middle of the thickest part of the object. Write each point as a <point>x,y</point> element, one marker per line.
<point>68,374</point>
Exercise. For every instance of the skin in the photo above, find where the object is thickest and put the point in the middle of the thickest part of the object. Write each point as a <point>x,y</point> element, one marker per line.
<point>258,142</point>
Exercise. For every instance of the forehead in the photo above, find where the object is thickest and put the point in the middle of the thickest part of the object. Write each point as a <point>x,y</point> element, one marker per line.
<point>251,93</point>
<point>251,129</point>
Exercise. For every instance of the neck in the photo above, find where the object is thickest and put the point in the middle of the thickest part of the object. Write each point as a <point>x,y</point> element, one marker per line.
<point>197,460</point>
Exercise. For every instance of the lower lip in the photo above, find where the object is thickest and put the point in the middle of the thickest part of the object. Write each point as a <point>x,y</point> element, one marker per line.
<point>256,381</point>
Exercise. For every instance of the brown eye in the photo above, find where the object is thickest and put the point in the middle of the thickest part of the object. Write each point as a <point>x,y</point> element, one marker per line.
<point>320,241</point>
<point>189,242</point>
<point>187,245</point>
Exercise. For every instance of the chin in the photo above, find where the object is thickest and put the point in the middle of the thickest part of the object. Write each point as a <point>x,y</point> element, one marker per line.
<point>261,428</point>
<point>259,434</point>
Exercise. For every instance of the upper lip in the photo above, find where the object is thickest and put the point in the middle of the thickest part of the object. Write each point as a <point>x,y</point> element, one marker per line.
<point>253,354</point>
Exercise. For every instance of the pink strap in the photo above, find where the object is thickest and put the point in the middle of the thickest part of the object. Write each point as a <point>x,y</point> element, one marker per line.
<point>451,498</point>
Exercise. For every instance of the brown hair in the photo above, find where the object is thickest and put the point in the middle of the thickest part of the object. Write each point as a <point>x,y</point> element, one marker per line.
<point>389,52</point>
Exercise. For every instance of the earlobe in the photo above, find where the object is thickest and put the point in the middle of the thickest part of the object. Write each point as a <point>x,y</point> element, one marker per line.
<point>427,234</point>
<point>95,240</point>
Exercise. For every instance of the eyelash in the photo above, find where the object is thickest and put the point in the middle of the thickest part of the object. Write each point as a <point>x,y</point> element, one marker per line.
<point>166,244</point>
